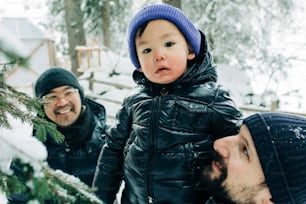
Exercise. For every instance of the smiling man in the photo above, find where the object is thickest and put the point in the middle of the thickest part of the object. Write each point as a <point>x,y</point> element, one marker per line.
<point>264,163</point>
<point>79,119</point>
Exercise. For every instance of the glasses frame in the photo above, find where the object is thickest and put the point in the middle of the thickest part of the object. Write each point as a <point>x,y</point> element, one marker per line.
<point>52,98</point>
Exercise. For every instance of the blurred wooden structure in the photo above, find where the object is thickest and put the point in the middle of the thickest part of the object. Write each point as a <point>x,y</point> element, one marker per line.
<point>89,60</point>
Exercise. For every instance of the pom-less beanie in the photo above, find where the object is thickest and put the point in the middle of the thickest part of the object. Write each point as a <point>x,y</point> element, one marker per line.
<point>280,141</point>
<point>53,78</point>
<point>167,12</point>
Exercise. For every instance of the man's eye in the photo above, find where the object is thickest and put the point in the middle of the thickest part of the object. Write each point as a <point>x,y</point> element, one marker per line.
<point>245,151</point>
<point>169,44</point>
<point>68,93</point>
<point>52,97</point>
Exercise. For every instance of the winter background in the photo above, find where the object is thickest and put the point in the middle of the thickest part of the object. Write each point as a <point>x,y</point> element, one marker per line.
<point>291,92</point>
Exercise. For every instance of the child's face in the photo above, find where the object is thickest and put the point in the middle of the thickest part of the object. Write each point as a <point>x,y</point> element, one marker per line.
<point>162,52</point>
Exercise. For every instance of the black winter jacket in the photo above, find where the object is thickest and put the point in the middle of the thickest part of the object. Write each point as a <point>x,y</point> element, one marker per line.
<point>159,133</point>
<point>78,156</point>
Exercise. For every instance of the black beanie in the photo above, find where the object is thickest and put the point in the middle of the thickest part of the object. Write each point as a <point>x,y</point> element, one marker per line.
<point>53,78</point>
<point>280,141</point>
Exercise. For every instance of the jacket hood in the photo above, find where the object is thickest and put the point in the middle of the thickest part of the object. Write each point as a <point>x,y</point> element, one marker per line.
<point>199,70</point>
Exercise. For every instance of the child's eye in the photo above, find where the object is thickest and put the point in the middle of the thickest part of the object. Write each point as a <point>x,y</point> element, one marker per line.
<point>169,44</point>
<point>147,50</point>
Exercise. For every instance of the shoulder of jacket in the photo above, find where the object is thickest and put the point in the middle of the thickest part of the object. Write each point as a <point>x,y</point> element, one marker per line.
<point>136,94</point>
<point>97,108</point>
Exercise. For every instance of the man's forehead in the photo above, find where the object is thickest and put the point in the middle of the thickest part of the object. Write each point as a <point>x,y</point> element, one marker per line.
<point>60,88</point>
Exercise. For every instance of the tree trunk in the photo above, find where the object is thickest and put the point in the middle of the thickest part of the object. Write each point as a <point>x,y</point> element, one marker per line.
<point>75,30</point>
<point>105,24</point>
<point>176,3</point>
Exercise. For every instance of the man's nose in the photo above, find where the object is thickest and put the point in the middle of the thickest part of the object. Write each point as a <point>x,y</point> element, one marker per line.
<point>223,146</point>
<point>61,101</point>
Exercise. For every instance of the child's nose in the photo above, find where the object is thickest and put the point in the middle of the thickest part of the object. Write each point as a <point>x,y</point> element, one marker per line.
<point>158,56</point>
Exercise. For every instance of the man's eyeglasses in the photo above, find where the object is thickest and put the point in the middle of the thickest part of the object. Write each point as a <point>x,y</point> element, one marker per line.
<point>52,98</point>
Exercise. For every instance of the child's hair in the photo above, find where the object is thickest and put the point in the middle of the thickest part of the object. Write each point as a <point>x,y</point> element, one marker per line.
<point>166,12</point>
<point>141,29</point>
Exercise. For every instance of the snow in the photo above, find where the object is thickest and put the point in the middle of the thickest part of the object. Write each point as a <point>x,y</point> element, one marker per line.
<point>19,143</point>
<point>10,44</point>
<point>3,199</point>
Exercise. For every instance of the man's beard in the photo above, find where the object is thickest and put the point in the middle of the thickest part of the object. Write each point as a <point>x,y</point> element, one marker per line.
<point>220,193</point>
<point>223,192</point>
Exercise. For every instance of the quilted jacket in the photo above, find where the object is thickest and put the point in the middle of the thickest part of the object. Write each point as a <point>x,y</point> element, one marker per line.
<point>161,133</point>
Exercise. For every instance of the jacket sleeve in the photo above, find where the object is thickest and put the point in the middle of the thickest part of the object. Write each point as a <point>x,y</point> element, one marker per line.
<point>226,117</point>
<point>109,169</point>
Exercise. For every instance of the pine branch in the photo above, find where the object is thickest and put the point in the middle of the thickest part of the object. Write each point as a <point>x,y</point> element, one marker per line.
<point>28,110</point>
<point>30,176</point>
<point>48,185</point>
<point>78,191</point>
<point>43,127</point>
<point>15,57</point>
<point>10,183</point>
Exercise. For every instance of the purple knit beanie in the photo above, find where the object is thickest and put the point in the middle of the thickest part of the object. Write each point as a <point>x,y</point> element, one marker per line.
<point>280,141</point>
<point>167,12</point>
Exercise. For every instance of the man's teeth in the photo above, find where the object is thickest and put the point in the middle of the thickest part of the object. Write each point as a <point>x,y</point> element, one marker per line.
<point>63,111</point>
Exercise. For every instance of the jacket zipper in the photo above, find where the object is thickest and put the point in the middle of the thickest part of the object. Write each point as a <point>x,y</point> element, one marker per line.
<point>154,124</point>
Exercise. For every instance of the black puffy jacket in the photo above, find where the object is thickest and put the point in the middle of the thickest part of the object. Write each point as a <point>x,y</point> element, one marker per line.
<point>159,133</point>
<point>79,156</point>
